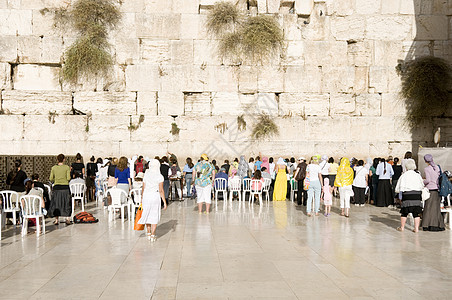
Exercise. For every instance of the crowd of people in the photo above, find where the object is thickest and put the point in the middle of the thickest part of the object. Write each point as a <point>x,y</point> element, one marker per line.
<point>383,182</point>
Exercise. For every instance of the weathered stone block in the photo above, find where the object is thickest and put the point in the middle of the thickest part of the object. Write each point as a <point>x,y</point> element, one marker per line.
<point>189,26</point>
<point>29,49</point>
<point>431,27</point>
<point>338,79</point>
<point>342,104</point>
<point>273,6</point>
<point>368,7</point>
<point>36,77</point>
<point>388,53</point>
<point>248,79</point>
<point>182,52</point>
<point>368,105</point>
<point>8,48</point>
<point>197,104</point>
<point>361,80</point>
<point>262,6</point>
<point>158,25</point>
<point>183,78</point>
<point>185,6</point>
<point>133,6</point>
<point>147,103</point>
<point>294,53</point>
<point>205,52</point>
<point>270,79</point>
<point>307,79</point>
<point>392,105</point>
<point>318,28</point>
<point>291,28</point>
<point>128,51</point>
<point>152,129</point>
<point>170,103</point>
<point>43,24</point>
<point>304,104</point>
<point>16,22</point>
<point>155,51</point>
<point>378,79</point>
<point>360,53</point>
<point>391,28</point>
<point>5,76</point>
<point>348,28</point>
<point>225,103</point>
<point>142,78</point>
<point>109,128</point>
<point>106,103</point>
<point>319,129</point>
<point>364,127</point>
<point>11,128</point>
<point>222,78</point>
<point>37,102</point>
<point>320,53</point>
<point>61,128</point>
<point>267,103</point>
<point>52,50</point>
<point>410,7</point>
<point>341,7</point>
<point>304,7</point>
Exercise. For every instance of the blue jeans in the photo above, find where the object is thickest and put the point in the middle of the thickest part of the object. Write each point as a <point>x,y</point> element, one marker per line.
<point>314,193</point>
<point>188,180</point>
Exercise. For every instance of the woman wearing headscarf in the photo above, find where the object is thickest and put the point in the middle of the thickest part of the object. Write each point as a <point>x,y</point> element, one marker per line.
<point>313,171</point>
<point>410,184</point>
<point>385,197</point>
<point>324,167</point>
<point>432,219</point>
<point>344,181</point>
<point>280,189</point>
<point>204,174</point>
<point>265,163</point>
<point>243,167</point>
<point>233,169</point>
<point>152,191</point>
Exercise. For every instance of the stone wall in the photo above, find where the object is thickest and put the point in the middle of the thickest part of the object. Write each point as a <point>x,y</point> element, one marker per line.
<point>334,89</point>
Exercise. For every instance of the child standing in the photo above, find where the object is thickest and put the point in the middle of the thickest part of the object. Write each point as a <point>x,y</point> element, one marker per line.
<point>327,196</point>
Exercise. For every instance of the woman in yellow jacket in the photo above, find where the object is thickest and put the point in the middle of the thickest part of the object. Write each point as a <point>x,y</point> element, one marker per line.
<point>344,181</point>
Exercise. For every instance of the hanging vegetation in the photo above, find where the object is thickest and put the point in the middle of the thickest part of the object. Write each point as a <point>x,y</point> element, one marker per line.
<point>174,129</point>
<point>241,123</point>
<point>256,38</point>
<point>89,55</point>
<point>264,127</point>
<point>426,85</point>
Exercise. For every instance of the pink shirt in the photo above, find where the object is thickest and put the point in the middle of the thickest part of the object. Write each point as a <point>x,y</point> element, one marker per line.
<point>431,178</point>
<point>327,196</point>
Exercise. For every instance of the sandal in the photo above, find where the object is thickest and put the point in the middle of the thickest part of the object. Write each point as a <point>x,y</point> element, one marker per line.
<point>415,231</point>
<point>56,223</point>
<point>399,229</point>
<point>309,215</point>
<point>68,222</point>
<point>346,216</point>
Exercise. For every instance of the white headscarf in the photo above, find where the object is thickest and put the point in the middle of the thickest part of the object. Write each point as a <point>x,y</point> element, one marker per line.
<point>281,161</point>
<point>154,167</point>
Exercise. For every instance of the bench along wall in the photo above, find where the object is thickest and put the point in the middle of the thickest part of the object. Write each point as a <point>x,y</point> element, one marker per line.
<point>334,90</point>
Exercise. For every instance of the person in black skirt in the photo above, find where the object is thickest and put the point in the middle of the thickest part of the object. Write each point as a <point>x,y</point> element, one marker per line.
<point>91,170</point>
<point>61,204</point>
<point>78,166</point>
<point>432,220</point>
<point>385,196</point>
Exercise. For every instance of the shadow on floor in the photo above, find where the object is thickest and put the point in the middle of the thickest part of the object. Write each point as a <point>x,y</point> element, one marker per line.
<point>166,227</point>
<point>392,221</point>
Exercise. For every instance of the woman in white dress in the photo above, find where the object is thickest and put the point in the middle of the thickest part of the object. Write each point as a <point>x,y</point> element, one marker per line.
<point>152,191</point>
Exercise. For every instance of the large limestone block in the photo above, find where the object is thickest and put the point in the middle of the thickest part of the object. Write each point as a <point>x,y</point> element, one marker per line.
<point>388,53</point>
<point>182,52</point>
<point>170,103</point>
<point>410,7</point>
<point>378,79</point>
<point>158,25</point>
<point>52,50</point>
<point>361,80</point>
<point>342,104</point>
<point>360,53</point>
<point>431,28</point>
<point>348,28</point>
<point>128,51</point>
<point>303,104</point>
<point>307,79</point>
<point>368,105</point>
<point>320,53</point>
<point>43,24</point>
<point>37,102</point>
<point>395,81</point>
<point>132,6</point>
<point>248,79</point>
<point>16,22</point>
<point>294,53</point>
<point>304,7</point>
<point>341,7</point>
<point>155,51</point>
<point>153,6</point>
<point>391,28</point>
<point>222,78</point>
<point>109,128</point>
<point>132,148</point>
<point>11,128</point>
<point>147,103</point>
<point>152,129</point>
<point>273,6</point>
<point>106,103</point>
<point>183,78</point>
<point>262,6</point>
<point>64,128</point>
<point>291,27</point>
<point>115,81</point>
<point>8,49</point>
<point>190,26</point>
<point>142,78</point>
<point>5,76</point>
<point>392,105</point>
<point>205,52</point>
<point>226,103</point>
<point>36,77</point>
<point>366,7</point>
<point>268,103</point>
<point>185,6</point>
<point>270,79</point>
<point>327,129</point>
<point>197,104</point>
<point>391,6</point>
<point>29,49</point>
<point>318,28</point>
<point>338,79</point>
<point>127,27</point>
<point>38,4</point>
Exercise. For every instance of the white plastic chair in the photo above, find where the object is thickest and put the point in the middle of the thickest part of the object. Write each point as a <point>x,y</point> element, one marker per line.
<point>448,210</point>
<point>49,190</point>
<point>77,193</point>
<point>116,196</point>
<point>99,191</point>
<point>104,191</point>
<point>220,186</point>
<point>10,200</point>
<point>293,188</point>
<point>134,194</point>
<point>32,209</point>
<point>246,188</point>
<point>40,189</point>
<point>235,185</point>
<point>256,189</point>
<point>266,189</point>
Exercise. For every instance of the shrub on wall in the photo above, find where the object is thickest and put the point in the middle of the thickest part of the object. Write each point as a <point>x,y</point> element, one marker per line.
<point>426,82</point>
<point>264,127</point>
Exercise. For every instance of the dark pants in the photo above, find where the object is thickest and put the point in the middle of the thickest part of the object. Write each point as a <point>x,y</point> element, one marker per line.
<point>302,195</point>
<point>166,185</point>
<point>360,197</point>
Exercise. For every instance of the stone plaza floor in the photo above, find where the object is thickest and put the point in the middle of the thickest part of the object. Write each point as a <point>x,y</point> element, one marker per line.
<point>273,251</point>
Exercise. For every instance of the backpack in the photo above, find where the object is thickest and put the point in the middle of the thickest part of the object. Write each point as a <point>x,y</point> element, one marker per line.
<point>139,167</point>
<point>445,186</point>
<point>84,217</point>
<point>302,172</point>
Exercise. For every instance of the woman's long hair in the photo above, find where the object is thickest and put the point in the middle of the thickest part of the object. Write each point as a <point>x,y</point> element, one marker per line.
<point>17,165</point>
<point>122,163</point>
<point>383,161</point>
<point>189,162</point>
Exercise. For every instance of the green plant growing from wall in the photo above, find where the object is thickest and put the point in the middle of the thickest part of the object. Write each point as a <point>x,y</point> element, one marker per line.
<point>241,123</point>
<point>133,127</point>
<point>257,38</point>
<point>52,115</point>
<point>221,127</point>
<point>426,85</point>
<point>89,56</point>
<point>264,127</point>
<point>174,129</point>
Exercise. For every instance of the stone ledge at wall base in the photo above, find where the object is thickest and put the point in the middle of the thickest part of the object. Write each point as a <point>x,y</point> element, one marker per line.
<point>36,102</point>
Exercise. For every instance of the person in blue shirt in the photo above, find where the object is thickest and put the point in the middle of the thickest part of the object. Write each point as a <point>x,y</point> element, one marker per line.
<point>188,175</point>
<point>257,164</point>
<point>222,174</point>
<point>122,176</point>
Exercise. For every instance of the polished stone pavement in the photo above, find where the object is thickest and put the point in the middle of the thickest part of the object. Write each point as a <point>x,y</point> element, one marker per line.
<point>274,251</point>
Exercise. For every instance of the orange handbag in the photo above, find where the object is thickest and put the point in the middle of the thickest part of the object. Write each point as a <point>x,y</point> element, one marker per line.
<point>137,226</point>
